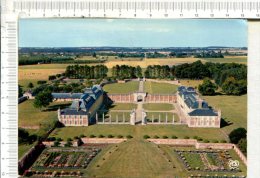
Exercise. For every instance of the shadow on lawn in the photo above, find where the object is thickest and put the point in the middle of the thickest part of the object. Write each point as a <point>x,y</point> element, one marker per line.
<point>56,107</point>
<point>225,123</point>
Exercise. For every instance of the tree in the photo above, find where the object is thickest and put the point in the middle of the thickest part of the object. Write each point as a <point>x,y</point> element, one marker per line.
<point>43,99</point>
<point>231,86</point>
<point>237,134</point>
<point>30,85</point>
<point>207,87</point>
<point>20,91</point>
<point>52,77</point>
<point>94,55</point>
<point>242,144</point>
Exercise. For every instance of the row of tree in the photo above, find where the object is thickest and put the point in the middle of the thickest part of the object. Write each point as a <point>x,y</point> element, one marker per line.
<point>231,77</point>
<point>86,72</point>
<point>209,54</point>
<point>126,72</point>
<point>158,71</point>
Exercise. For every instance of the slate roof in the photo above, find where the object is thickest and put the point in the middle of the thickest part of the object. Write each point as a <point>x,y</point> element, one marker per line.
<point>203,112</point>
<point>192,101</point>
<point>84,102</point>
<point>66,95</point>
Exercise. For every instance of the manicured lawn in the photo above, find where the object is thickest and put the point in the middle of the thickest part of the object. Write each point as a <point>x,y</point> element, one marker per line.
<point>158,107</point>
<point>138,131</point>
<point>234,109</point>
<point>134,158</point>
<point>23,148</point>
<point>29,116</point>
<point>121,88</point>
<point>123,106</point>
<point>24,83</point>
<point>194,160</point>
<point>139,158</point>
<point>70,132</point>
<point>191,83</point>
<point>159,88</point>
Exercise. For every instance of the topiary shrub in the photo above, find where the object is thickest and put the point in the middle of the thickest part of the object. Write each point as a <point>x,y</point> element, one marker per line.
<point>92,136</point>
<point>120,136</point>
<point>195,137</point>
<point>165,137</point>
<point>82,136</point>
<point>146,136</point>
<point>129,136</point>
<point>156,137</point>
<point>223,141</point>
<point>101,136</point>
<point>186,137</point>
<point>206,141</point>
<point>174,137</point>
<point>110,136</point>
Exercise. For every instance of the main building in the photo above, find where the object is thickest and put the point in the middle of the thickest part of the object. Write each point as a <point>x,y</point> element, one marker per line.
<point>195,110</point>
<point>83,108</point>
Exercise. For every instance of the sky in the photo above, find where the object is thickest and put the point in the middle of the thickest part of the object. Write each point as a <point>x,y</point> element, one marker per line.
<point>132,33</point>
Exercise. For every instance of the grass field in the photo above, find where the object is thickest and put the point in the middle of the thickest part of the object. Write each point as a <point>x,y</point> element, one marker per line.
<point>121,88</point>
<point>158,107</point>
<point>23,148</point>
<point>227,59</point>
<point>24,83</point>
<point>123,106</point>
<point>159,88</point>
<point>32,117</point>
<point>234,109</point>
<point>138,131</point>
<point>139,158</point>
<point>191,83</point>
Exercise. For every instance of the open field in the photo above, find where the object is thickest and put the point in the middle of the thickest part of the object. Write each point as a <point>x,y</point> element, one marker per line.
<point>38,74</point>
<point>138,131</point>
<point>159,88</point>
<point>139,158</point>
<point>234,109</point>
<point>191,83</point>
<point>29,116</point>
<point>158,106</point>
<point>118,88</point>
<point>24,83</point>
<point>227,59</point>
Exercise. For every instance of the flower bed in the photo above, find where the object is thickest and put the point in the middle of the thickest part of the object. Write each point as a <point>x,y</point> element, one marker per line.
<point>206,160</point>
<point>54,158</point>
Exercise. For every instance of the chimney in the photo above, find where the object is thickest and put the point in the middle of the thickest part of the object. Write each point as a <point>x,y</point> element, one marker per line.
<point>200,103</point>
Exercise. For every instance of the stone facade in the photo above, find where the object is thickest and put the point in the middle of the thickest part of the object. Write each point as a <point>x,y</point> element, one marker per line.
<point>82,111</point>
<point>146,98</point>
<point>196,111</point>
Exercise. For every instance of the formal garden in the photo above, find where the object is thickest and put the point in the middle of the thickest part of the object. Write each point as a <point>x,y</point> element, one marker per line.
<point>206,160</point>
<point>58,161</point>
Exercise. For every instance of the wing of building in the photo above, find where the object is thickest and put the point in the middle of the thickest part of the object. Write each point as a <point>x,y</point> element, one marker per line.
<point>83,108</point>
<point>195,110</point>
